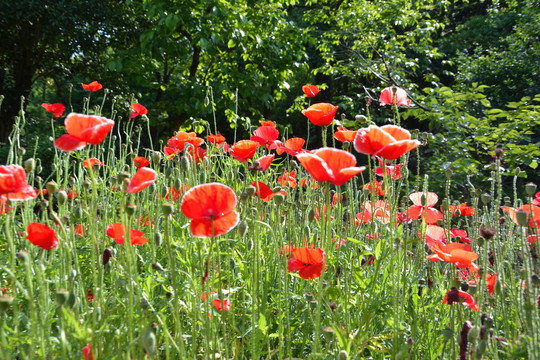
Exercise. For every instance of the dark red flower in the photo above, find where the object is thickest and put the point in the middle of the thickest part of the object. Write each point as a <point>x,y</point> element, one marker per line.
<point>89,163</point>
<point>211,209</point>
<point>117,231</point>
<point>389,141</point>
<point>13,184</point>
<point>329,164</point>
<point>389,97</point>
<point>140,161</point>
<point>321,114</point>
<point>143,178</point>
<point>136,110</point>
<point>309,262</point>
<point>93,86</point>
<point>56,109</point>
<point>244,150</point>
<point>82,129</point>
<point>310,90</point>
<point>42,236</point>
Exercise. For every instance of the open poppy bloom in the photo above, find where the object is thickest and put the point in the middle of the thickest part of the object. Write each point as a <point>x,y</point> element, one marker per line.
<point>343,134</point>
<point>179,140</point>
<point>435,234</point>
<point>93,86</point>
<point>263,191</point>
<point>321,114</point>
<point>460,255</point>
<point>491,281</point>
<point>82,129</point>
<point>329,164</point>
<point>292,146</point>
<point>464,210</point>
<point>219,306</point>
<point>389,97</point>
<point>456,296</point>
<point>288,179</point>
<point>244,150</point>
<point>140,161</point>
<point>268,123</point>
<point>391,171</point>
<point>379,209</point>
<point>141,180</point>
<point>389,141</point>
<point>216,139</point>
<point>13,184</point>
<point>428,212</point>
<point>310,90</point>
<point>117,231</point>
<point>265,135</point>
<point>56,109</point>
<point>211,209</point>
<point>42,236</point>
<point>533,214</point>
<point>265,162</point>
<point>460,235</point>
<point>89,163</point>
<point>309,262</point>
<point>375,187</point>
<point>136,110</point>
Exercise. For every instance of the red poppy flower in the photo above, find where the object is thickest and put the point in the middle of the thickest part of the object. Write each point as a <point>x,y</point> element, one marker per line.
<point>288,179</point>
<point>536,200</point>
<point>292,146</point>
<point>265,135</point>
<point>117,230</point>
<point>244,150</point>
<point>13,184</point>
<point>389,141</point>
<point>428,212</point>
<point>226,304</point>
<point>309,262</point>
<point>56,109</point>
<point>491,281</point>
<point>391,171</point>
<point>375,187</point>
<point>336,198</point>
<point>379,209</point>
<point>179,140</point>
<point>389,97</point>
<point>321,114</point>
<point>343,134</point>
<point>533,214</point>
<point>140,161</point>
<point>3,207</point>
<point>42,236</point>
<point>435,234</point>
<point>456,253</point>
<point>461,234</point>
<point>200,153</point>
<point>268,123</point>
<point>310,90</point>
<point>266,194</point>
<point>141,180</point>
<point>89,163</point>
<point>312,183</point>
<point>463,209</point>
<point>458,296</point>
<point>93,86</point>
<point>175,194</point>
<point>340,242</point>
<point>329,164</point>
<point>532,239</point>
<point>82,129</point>
<point>72,194</point>
<point>87,353</point>
<point>136,110</point>
<point>78,230</point>
<point>211,209</point>
<point>265,162</point>
<point>89,295</point>
<point>216,139</point>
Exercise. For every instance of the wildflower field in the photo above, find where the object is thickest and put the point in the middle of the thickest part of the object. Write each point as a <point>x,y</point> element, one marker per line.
<point>203,247</point>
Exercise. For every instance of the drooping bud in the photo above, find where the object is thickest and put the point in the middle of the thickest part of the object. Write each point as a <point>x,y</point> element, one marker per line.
<point>61,197</point>
<point>51,187</point>
<point>158,239</point>
<point>242,228</point>
<point>521,217</point>
<point>29,165</point>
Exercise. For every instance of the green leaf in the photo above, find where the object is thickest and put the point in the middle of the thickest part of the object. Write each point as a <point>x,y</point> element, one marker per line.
<point>533,164</point>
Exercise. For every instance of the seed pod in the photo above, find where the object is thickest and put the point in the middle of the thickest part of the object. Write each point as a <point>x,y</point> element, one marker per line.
<point>251,190</point>
<point>343,355</point>
<point>530,189</point>
<point>130,209</point>
<point>485,198</point>
<point>158,239</point>
<point>167,208</point>
<point>311,215</point>
<point>62,296</point>
<point>521,217</point>
<point>278,199</point>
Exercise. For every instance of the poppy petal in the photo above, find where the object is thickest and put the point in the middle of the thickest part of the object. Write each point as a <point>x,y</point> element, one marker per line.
<point>315,166</point>
<point>141,180</point>
<point>371,140</point>
<point>397,149</point>
<point>67,143</point>
<point>202,227</point>
<point>208,200</point>
<point>266,161</point>
<point>397,132</point>
<point>311,271</point>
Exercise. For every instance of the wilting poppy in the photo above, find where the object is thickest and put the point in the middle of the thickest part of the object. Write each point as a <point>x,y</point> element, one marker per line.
<point>391,171</point>
<point>89,163</point>
<point>464,210</point>
<point>141,180</point>
<point>265,135</point>
<point>136,110</point>
<point>56,109</point>
<point>93,86</point>
<point>389,141</point>
<point>533,214</point>
<point>292,146</point>
<point>13,184</point>
<point>211,209</point>
<point>117,230</point>
<point>310,90</point>
<point>459,254</point>
<point>288,179</point>
<point>226,304</point>
<point>265,162</point>
<point>343,134</point>
<point>389,97</point>
<point>82,129</point>
<point>244,150</point>
<point>427,211</point>
<point>87,353</point>
<point>140,161</point>
<point>309,262</point>
<point>460,297</point>
<point>321,114</point>
<point>263,191</point>
<point>329,164</point>
<point>42,236</point>
<point>216,139</point>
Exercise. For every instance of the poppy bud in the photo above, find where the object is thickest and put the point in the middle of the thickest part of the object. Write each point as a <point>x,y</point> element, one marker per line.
<point>167,209</point>
<point>276,189</point>
<point>158,239</point>
<point>107,254</point>
<point>122,176</point>
<point>144,304</point>
<point>29,165</point>
<point>480,242</point>
<point>22,255</point>
<point>152,188</point>
<point>184,164</point>
<point>445,205</point>
<point>242,228</point>
<point>5,301</point>
<point>149,340</point>
<point>243,197</point>
<point>125,183</point>
<point>313,304</point>
<point>366,192</point>
<point>22,150</point>
<point>232,263</point>
<point>328,333</point>
<point>311,215</point>
<point>164,191</point>
<point>51,187</point>
<point>71,300</point>
<point>440,222</point>
<point>517,171</point>
<point>448,173</point>
<point>249,245</point>
<point>481,348</point>
<point>206,101</point>
<point>61,196</point>
<point>343,355</point>
<point>62,296</point>
<point>448,334</point>
<point>478,192</point>
<point>423,199</point>
<point>278,199</point>
<point>73,274</point>
<point>346,144</point>
<point>309,296</point>
<point>521,217</point>
<point>485,198</point>
<point>86,184</point>
<point>130,209</point>
<point>530,189</point>
<point>457,212</point>
<point>168,171</point>
<point>156,157</point>
<point>39,169</point>
<point>251,190</point>
<point>473,333</point>
<point>177,183</point>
